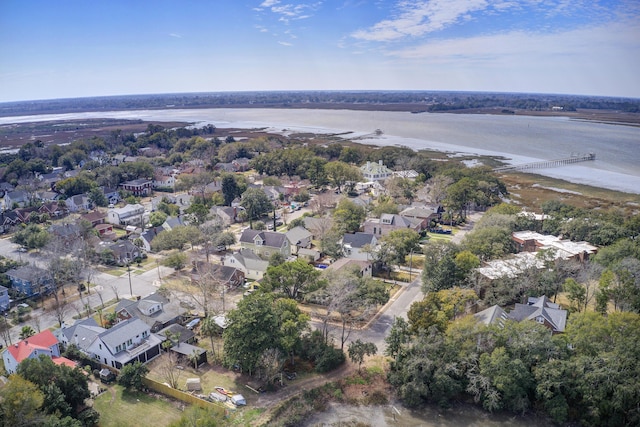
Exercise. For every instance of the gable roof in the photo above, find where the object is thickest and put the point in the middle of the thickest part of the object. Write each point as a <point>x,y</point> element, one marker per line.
<point>83,333</point>
<point>123,331</point>
<point>492,315</point>
<point>419,212</point>
<point>297,234</point>
<point>27,272</point>
<point>23,349</point>
<point>541,307</point>
<point>270,238</point>
<point>359,239</point>
<point>249,260</point>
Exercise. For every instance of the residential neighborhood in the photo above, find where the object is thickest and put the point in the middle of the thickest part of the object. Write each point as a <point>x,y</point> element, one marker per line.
<point>254,270</point>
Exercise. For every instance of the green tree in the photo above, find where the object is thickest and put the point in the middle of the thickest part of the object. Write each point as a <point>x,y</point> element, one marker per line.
<point>576,293</point>
<point>488,242</point>
<point>26,332</point>
<point>229,189</point>
<point>340,173</point>
<point>348,216</point>
<point>157,218</point>
<point>440,270</point>
<point>65,389</point>
<point>459,194</point>
<point>131,375</point>
<point>176,260</point>
<point>439,308</point>
<point>97,197</point>
<point>32,237</point>
<point>251,331</point>
<point>293,279</point>
<point>357,351</point>
<point>292,324</point>
<point>20,403</point>
<point>256,203</point>
<point>398,244</point>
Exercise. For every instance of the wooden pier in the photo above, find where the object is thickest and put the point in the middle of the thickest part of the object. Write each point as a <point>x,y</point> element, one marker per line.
<point>547,163</point>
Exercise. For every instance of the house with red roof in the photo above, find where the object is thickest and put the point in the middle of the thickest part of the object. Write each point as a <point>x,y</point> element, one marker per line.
<point>30,348</point>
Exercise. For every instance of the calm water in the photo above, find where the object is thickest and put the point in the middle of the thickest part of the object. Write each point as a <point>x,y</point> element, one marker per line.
<point>519,138</point>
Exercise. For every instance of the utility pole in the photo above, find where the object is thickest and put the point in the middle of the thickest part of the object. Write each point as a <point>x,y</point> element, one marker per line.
<point>129,271</point>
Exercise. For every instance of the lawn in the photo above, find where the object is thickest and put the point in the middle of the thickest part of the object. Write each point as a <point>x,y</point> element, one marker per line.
<point>134,409</point>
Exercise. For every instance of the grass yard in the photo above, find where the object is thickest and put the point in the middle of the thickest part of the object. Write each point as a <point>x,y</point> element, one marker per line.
<point>118,407</point>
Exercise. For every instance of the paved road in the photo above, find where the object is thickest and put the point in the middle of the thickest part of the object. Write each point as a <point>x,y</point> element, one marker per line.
<point>106,286</point>
<point>378,329</point>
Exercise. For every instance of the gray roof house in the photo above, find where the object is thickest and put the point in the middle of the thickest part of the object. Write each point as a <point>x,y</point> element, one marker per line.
<point>492,315</point>
<point>127,342</point>
<point>265,243</point>
<point>543,311</point>
<point>79,202</point>
<point>17,197</point>
<point>155,310</point>
<point>81,334</point>
<point>148,235</point>
<point>228,276</point>
<point>389,222</point>
<point>299,237</point>
<point>30,280</point>
<point>353,245</point>
<point>124,251</point>
<point>248,262</point>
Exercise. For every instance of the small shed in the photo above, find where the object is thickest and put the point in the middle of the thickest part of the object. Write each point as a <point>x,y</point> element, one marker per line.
<point>187,351</point>
<point>106,376</point>
<point>193,384</point>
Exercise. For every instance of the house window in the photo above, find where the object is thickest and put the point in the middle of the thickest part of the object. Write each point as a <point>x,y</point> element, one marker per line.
<point>100,345</point>
<point>129,342</point>
<point>540,319</point>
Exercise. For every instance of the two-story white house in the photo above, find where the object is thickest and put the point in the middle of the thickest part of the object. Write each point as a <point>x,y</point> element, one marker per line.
<point>248,262</point>
<point>372,171</point>
<point>359,246</point>
<point>127,342</point>
<point>128,215</point>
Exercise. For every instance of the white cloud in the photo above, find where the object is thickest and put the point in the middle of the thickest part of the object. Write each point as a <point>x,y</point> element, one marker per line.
<point>178,36</point>
<point>269,3</point>
<point>574,44</point>
<point>285,43</point>
<point>417,18</point>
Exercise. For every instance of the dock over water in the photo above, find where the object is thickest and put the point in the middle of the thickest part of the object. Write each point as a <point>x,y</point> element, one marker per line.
<point>547,163</point>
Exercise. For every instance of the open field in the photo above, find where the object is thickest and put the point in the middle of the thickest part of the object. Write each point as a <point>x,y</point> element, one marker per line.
<point>120,408</point>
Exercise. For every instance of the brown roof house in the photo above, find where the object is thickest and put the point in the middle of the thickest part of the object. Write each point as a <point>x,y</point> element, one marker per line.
<point>230,277</point>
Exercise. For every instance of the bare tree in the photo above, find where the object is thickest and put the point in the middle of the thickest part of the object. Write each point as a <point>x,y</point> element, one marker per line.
<point>323,202</point>
<point>168,369</point>
<point>209,292</point>
<point>437,188</point>
<point>114,288</point>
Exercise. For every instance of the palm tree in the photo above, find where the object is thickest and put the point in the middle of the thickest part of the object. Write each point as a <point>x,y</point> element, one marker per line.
<point>26,332</point>
<point>209,329</point>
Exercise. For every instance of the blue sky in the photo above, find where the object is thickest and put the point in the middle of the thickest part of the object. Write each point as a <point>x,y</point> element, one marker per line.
<point>75,48</point>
